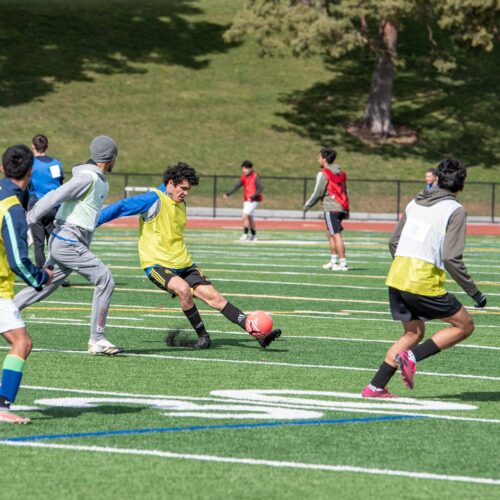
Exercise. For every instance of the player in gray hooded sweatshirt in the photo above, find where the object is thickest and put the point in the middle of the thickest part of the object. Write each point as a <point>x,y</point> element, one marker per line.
<point>80,200</point>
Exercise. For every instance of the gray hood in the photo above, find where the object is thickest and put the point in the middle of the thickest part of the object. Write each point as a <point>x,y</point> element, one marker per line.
<point>429,198</point>
<point>334,168</point>
<point>86,167</point>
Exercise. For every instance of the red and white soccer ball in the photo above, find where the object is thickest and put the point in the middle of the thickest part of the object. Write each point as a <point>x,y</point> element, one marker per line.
<point>259,324</point>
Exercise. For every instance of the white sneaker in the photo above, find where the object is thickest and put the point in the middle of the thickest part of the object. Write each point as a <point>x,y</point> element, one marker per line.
<point>104,346</point>
<point>328,265</point>
<point>8,417</point>
<point>252,237</point>
<point>338,267</point>
<point>244,237</point>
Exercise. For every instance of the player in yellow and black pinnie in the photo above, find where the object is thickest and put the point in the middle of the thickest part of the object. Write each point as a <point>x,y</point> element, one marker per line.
<point>163,253</point>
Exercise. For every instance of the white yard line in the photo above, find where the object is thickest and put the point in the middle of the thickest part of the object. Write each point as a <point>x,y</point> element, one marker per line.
<point>49,320</point>
<point>268,363</point>
<point>261,462</point>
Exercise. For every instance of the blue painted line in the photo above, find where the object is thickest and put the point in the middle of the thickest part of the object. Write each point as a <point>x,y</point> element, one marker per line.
<point>125,432</point>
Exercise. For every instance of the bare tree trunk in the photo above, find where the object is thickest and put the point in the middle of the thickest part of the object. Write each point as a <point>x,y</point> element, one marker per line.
<point>378,112</point>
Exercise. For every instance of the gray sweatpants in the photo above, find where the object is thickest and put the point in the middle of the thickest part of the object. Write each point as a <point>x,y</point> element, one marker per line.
<point>67,257</point>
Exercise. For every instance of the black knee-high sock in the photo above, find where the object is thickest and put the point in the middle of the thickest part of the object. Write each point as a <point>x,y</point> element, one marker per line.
<point>384,374</point>
<point>194,318</point>
<point>253,231</point>
<point>425,350</point>
<point>245,230</point>
<point>232,313</point>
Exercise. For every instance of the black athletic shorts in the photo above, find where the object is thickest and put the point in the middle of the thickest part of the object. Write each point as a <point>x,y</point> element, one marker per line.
<point>334,222</point>
<point>406,306</point>
<point>193,276</point>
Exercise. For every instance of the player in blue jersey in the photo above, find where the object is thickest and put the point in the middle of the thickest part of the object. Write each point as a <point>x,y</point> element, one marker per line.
<point>46,176</point>
<point>16,165</point>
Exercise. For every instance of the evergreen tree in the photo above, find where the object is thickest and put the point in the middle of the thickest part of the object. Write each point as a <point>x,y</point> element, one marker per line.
<point>338,27</point>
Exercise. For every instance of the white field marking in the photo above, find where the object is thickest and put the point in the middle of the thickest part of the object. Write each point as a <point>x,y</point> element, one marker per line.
<point>265,296</point>
<point>211,311</point>
<point>252,461</point>
<point>291,273</point>
<point>178,408</point>
<point>48,321</point>
<point>369,406</point>
<point>298,273</point>
<point>288,397</point>
<point>298,283</point>
<point>259,282</point>
<point>71,321</point>
<point>125,318</point>
<point>266,363</point>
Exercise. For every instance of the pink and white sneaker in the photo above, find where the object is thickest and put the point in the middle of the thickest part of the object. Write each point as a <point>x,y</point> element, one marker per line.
<point>370,391</point>
<point>408,364</point>
<point>7,417</point>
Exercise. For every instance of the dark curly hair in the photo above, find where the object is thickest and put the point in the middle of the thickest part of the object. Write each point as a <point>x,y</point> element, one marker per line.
<point>451,175</point>
<point>328,154</point>
<point>16,161</point>
<point>178,173</point>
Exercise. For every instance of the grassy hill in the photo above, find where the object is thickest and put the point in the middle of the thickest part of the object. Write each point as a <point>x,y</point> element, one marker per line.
<point>157,76</point>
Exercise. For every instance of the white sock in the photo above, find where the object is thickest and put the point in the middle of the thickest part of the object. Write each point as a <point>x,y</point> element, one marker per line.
<point>343,262</point>
<point>334,258</point>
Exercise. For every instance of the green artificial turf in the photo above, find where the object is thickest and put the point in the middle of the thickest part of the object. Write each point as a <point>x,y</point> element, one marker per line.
<point>336,328</point>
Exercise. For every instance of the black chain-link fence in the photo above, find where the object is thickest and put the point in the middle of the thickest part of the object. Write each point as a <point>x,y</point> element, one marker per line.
<point>384,198</point>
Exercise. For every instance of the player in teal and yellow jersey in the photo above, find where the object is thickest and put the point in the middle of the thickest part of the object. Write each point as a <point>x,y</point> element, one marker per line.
<point>16,165</point>
<point>163,253</point>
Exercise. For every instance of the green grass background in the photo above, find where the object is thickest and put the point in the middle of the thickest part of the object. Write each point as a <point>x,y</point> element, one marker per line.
<point>157,76</point>
<point>243,272</point>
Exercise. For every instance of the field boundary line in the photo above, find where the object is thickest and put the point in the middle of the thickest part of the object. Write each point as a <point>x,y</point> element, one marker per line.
<point>268,363</point>
<point>261,462</point>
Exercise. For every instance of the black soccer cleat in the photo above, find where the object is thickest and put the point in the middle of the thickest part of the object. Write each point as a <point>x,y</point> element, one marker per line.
<point>203,342</point>
<point>273,335</point>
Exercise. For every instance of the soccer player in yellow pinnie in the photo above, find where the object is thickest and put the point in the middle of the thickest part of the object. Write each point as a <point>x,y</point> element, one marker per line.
<point>163,253</point>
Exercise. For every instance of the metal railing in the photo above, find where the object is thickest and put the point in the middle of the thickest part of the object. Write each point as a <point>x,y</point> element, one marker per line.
<point>285,196</point>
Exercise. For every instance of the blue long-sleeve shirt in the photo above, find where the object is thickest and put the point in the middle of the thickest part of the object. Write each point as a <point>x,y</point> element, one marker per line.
<point>14,230</point>
<point>139,204</point>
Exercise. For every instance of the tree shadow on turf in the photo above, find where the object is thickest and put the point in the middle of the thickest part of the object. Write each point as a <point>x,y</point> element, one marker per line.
<point>46,44</point>
<point>430,103</point>
<point>473,396</point>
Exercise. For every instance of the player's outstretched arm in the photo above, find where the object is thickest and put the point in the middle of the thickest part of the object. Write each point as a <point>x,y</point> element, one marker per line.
<point>235,188</point>
<point>128,206</point>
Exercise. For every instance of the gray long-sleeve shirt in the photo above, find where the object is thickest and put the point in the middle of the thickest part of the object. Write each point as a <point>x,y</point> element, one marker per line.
<point>75,189</point>
<point>454,240</point>
<point>320,192</point>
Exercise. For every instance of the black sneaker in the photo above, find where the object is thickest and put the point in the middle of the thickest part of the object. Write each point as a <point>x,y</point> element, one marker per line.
<point>203,342</point>
<point>264,342</point>
<point>66,284</point>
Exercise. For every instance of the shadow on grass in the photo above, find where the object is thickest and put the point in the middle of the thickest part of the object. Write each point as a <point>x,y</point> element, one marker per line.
<point>473,396</point>
<point>51,42</point>
<point>454,115</point>
<point>55,412</point>
<point>179,342</point>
